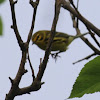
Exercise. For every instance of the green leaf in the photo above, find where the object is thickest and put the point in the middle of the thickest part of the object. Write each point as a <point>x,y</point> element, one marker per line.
<point>1,26</point>
<point>88,80</point>
<point>1,1</point>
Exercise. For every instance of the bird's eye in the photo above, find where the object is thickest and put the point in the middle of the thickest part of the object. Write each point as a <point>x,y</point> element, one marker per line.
<point>41,38</point>
<point>37,37</point>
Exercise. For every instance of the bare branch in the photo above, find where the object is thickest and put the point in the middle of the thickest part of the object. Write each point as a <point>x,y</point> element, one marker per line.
<point>66,5</point>
<point>35,86</point>
<point>16,81</point>
<point>14,91</point>
<point>78,32</point>
<point>93,36</point>
<point>35,5</point>
<point>31,67</point>
<point>85,58</point>
<point>14,26</point>
<point>48,50</point>
<point>11,80</point>
<point>26,90</point>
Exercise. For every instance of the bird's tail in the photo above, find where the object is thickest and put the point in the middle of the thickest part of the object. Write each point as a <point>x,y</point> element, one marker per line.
<point>80,35</point>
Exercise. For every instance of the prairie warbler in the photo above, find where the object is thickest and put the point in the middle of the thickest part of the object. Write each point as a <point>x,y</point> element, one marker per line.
<point>60,41</point>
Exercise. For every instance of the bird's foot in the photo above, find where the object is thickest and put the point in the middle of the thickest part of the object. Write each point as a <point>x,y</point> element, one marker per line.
<point>55,55</point>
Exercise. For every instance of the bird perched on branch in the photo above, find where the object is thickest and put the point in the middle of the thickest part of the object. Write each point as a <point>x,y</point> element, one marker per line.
<point>60,41</point>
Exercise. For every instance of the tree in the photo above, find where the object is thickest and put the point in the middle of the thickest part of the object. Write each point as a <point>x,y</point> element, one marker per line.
<point>24,46</point>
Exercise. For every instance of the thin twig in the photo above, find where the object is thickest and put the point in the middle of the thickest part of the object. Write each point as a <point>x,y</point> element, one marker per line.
<point>34,5</point>
<point>94,38</point>
<point>92,35</point>
<point>66,5</point>
<point>33,19</point>
<point>90,45</point>
<point>85,58</point>
<point>33,75</point>
<point>14,26</point>
<point>83,38</point>
<point>77,18</point>
<point>78,32</point>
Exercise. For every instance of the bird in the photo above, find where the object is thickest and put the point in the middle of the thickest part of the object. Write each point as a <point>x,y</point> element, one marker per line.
<point>60,42</point>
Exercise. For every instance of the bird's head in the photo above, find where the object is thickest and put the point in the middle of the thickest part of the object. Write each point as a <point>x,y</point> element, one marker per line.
<point>37,37</point>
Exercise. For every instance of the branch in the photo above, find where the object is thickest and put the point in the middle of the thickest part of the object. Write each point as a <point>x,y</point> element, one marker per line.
<point>48,50</point>
<point>90,45</point>
<point>35,86</point>
<point>78,32</point>
<point>14,26</point>
<point>15,90</point>
<point>92,35</point>
<point>16,81</point>
<point>34,5</point>
<point>31,67</point>
<point>66,5</point>
<point>85,58</point>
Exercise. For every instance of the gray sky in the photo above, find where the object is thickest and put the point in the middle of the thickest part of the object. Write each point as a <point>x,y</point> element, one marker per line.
<point>59,77</point>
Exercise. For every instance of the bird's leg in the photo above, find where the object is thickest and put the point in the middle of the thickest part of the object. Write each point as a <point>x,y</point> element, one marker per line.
<point>55,55</point>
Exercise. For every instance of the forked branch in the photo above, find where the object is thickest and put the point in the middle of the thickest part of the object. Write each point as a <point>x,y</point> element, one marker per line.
<point>15,90</point>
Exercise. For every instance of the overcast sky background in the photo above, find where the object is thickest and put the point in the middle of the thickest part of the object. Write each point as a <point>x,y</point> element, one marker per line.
<point>59,77</point>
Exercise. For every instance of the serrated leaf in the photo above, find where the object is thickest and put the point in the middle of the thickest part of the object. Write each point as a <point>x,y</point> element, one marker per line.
<point>88,80</point>
<point>1,1</point>
<point>1,26</point>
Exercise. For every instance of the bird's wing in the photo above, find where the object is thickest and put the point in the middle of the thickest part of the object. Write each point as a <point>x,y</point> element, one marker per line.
<point>60,34</point>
